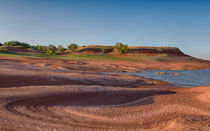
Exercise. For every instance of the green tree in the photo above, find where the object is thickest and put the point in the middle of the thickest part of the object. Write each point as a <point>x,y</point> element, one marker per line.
<point>41,48</point>
<point>51,49</point>
<point>121,48</point>
<point>1,44</point>
<point>60,49</point>
<point>72,47</point>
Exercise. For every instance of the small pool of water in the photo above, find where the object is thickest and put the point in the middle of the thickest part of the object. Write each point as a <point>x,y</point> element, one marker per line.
<point>179,77</point>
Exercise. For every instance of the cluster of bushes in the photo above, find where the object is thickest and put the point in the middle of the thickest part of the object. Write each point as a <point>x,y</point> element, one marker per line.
<point>17,43</point>
<point>52,49</point>
<point>121,48</point>
<point>72,47</point>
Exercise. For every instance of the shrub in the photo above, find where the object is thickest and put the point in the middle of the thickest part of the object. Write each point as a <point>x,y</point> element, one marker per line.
<point>1,44</point>
<point>17,43</point>
<point>72,47</point>
<point>41,48</point>
<point>4,51</point>
<point>121,48</point>
<point>51,50</point>
<point>60,49</point>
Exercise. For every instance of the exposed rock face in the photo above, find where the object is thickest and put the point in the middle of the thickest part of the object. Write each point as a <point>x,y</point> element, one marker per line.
<point>96,50</point>
<point>171,51</point>
<point>136,50</point>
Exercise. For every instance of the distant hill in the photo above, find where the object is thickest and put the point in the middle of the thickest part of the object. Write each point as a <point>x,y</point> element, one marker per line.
<point>102,49</point>
<point>99,49</point>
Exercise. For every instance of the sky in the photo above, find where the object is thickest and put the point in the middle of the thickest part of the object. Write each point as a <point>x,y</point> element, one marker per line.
<point>181,23</point>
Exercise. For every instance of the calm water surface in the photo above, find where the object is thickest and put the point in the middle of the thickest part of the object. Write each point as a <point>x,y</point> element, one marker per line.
<point>187,77</point>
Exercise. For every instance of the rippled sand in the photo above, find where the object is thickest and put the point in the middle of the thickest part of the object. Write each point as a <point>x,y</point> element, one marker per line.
<point>42,98</point>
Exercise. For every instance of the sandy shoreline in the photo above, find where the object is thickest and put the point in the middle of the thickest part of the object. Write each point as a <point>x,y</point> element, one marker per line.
<point>64,95</point>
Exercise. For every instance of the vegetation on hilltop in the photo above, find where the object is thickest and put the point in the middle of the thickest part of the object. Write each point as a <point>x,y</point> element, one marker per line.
<point>91,52</point>
<point>51,50</point>
<point>60,49</point>
<point>17,43</point>
<point>119,48</point>
<point>72,47</point>
<point>41,49</point>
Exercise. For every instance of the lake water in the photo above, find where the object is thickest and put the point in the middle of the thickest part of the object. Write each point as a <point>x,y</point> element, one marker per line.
<point>186,77</point>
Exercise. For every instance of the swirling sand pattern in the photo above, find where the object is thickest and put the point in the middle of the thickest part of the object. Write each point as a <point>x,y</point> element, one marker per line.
<point>92,101</point>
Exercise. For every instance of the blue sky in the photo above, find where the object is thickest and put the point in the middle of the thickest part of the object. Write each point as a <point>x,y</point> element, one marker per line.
<point>181,23</point>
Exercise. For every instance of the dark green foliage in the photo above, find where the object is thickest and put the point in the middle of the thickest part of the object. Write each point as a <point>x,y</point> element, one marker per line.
<point>41,48</point>
<point>121,48</point>
<point>60,49</point>
<point>4,51</point>
<point>51,50</point>
<point>72,47</point>
<point>34,47</point>
<point>17,43</point>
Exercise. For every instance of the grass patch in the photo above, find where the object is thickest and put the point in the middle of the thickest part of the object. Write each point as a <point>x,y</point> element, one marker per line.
<point>78,56</point>
<point>4,52</point>
<point>102,57</point>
